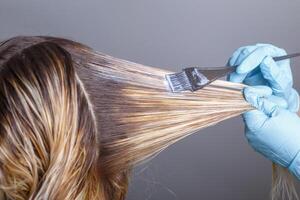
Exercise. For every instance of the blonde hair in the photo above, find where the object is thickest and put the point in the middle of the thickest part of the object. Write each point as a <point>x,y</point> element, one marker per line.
<point>74,122</point>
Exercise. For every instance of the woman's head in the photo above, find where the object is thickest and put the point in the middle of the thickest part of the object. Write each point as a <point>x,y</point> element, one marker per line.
<point>73,121</point>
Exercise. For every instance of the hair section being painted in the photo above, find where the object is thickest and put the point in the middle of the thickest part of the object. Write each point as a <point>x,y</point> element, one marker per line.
<point>74,121</point>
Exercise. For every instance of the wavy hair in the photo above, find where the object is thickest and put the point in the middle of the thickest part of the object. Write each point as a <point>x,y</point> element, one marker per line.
<point>74,121</point>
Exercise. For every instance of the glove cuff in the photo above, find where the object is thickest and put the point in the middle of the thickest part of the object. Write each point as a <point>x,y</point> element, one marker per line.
<point>294,167</point>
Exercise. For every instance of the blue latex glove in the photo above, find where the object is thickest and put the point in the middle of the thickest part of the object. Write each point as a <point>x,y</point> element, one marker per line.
<point>273,130</point>
<point>256,67</point>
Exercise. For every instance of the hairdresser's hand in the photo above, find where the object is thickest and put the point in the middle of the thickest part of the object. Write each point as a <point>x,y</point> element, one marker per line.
<point>273,130</point>
<point>256,67</point>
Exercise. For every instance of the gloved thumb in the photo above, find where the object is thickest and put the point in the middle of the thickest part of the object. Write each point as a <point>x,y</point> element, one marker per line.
<point>262,99</point>
<point>266,104</point>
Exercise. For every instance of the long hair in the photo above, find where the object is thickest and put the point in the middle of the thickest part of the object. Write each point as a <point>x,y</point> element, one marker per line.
<point>74,121</point>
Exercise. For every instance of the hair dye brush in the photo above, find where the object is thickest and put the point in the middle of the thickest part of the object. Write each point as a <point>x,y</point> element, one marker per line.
<point>195,78</point>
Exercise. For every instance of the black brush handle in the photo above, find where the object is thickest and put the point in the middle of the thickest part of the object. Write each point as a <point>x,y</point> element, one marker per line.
<point>214,73</point>
<point>293,55</point>
<point>277,58</point>
<point>195,78</point>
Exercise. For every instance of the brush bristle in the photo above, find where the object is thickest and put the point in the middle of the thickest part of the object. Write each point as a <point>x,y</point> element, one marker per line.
<point>178,82</point>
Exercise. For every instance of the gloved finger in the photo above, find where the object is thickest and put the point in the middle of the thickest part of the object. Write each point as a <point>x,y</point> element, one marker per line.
<point>279,101</point>
<point>256,57</point>
<point>280,82</point>
<point>259,90</point>
<point>235,77</point>
<point>235,55</point>
<point>258,97</point>
<point>254,120</point>
<point>241,53</point>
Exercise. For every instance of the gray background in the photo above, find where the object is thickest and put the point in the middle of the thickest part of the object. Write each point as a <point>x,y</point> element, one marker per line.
<point>216,163</point>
